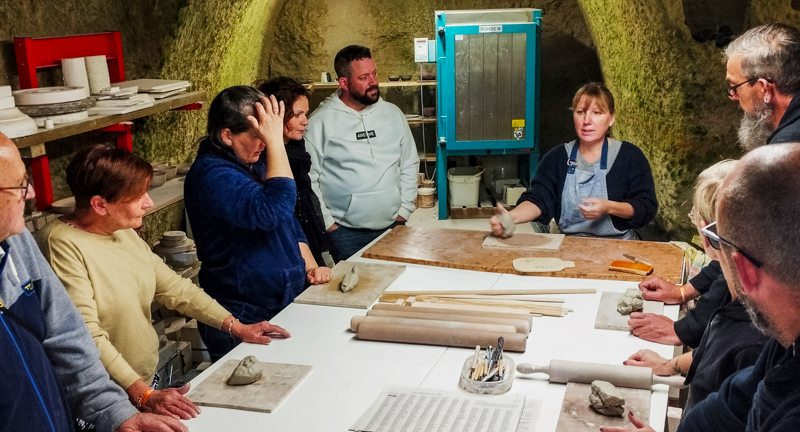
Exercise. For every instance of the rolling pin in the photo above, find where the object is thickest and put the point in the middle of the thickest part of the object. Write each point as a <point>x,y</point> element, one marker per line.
<point>358,320</point>
<point>522,326</point>
<point>439,336</point>
<point>564,371</point>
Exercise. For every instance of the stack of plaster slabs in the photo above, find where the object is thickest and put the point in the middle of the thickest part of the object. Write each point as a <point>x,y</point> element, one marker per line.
<point>13,122</point>
<point>157,88</point>
<point>58,104</point>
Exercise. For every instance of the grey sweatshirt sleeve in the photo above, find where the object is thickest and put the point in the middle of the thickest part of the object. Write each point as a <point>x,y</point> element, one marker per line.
<point>409,167</point>
<point>90,393</point>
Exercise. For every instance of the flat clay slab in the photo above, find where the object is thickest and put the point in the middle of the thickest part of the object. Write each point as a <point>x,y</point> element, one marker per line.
<point>577,415</point>
<point>263,395</point>
<point>609,319</point>
<point>373,279</point>
<point>525,242</point>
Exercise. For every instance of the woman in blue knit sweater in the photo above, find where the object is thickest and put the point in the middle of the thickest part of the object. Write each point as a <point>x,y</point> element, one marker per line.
<point>255,256</point>
<point>594,185</point>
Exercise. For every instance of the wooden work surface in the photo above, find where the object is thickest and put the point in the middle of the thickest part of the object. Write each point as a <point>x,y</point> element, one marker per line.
<point>461,249</point>
<point>100,121</point>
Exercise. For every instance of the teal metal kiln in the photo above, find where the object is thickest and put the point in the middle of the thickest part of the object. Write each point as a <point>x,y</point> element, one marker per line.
<point>488,64</point>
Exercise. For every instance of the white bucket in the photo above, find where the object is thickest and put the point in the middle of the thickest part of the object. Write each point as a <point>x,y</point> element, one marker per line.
<point>463,183</point>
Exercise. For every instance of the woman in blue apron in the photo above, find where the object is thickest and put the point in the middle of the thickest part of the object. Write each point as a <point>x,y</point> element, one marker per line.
<point>594,185</point>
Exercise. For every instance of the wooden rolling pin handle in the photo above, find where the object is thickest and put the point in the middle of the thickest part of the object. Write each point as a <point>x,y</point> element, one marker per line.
<point>676,381</point>
<point>527,368</point>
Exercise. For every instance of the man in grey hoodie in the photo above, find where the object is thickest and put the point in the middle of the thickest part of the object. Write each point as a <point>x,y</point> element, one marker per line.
<point>49,364</point>
<point>364,160</point>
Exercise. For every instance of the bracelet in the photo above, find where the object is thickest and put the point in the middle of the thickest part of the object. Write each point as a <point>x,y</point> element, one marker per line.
<point>683,294</point>
<point>230,326</point>
<point>143,398</point>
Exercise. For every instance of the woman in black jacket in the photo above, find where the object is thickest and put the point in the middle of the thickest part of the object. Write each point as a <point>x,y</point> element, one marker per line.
<point>307,210</point>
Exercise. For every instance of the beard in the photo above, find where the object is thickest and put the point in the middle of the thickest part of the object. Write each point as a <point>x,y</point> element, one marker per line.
<point>756,127</point>
<point>758,318</point>
<point>364,98</point>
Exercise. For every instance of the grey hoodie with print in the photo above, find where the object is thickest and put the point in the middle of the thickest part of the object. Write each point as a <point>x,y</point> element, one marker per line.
<point>364,164</point>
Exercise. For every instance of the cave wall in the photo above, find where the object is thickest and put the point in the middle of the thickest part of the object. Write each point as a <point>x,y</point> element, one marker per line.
<point>669,87</point>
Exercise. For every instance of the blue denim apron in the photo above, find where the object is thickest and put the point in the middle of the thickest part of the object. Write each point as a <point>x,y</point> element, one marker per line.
<point>580,185</point>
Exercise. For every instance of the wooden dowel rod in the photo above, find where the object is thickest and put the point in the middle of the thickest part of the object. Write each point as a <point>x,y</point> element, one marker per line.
<point>500,297</point>
<point>522,326</point>
<point>544,309</point>
<point>393,296</point>
<point>448,309</point>
<point>360,320</point>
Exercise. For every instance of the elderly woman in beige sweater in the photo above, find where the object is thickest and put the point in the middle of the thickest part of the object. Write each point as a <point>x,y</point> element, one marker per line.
<point>112,276</point>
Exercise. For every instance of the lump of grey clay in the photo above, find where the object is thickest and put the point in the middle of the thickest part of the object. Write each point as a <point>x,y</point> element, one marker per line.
<point>247,371</point>
<point>350,280</point>
<point>630,302</point>
<point>606,399</point>
<point>508,224</point>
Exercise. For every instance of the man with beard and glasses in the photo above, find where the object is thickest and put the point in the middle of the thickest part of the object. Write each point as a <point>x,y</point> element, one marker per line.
<point>763,74</point>
<point>364,160</point>
<point>757,234</point>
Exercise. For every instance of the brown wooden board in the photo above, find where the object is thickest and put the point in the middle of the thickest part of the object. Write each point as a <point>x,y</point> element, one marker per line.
<point>461,249</point>
<point>263,395</point>
<point>373,279</point>
<point>578,416</point>
<point>609,319</point>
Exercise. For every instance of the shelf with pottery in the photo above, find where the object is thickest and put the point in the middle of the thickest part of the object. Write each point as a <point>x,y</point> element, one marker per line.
<point>167,194</point>
<point>33,145</point>
<point>335,84</point>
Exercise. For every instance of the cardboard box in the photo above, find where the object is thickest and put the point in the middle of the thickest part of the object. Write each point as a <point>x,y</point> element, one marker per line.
<point>185,353</point>
<point>166,352</point>
<point>159,327</point>
<point>173,327</point>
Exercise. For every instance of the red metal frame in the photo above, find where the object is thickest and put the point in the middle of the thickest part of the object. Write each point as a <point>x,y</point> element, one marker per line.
<point>36,53</point>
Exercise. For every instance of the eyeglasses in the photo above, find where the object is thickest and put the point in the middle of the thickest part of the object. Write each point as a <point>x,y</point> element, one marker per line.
<point>732,89</point>
<point>23,187</point>
<point>714,239</point>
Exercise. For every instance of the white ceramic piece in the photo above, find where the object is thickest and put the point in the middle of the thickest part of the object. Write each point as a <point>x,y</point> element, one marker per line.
<point>74,71</point>
<point>97,70</point>
<point>6,102</point>
<point>62,118</point>
<point>15,124</point>
<point>49,95</point>
<point>5,91</point>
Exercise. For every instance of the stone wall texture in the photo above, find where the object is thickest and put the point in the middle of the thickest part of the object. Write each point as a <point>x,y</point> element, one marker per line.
<point>669,87</point>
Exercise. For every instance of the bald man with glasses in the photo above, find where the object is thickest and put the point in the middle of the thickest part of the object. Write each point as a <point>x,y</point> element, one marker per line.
<point>49,364</point>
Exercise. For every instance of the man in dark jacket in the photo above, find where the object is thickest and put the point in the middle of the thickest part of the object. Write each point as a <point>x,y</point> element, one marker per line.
<point>49,364</point>
<point>758,235</point>
<point>763,74</point>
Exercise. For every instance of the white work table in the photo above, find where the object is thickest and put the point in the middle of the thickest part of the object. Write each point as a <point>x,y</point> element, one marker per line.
<point>348,374</point>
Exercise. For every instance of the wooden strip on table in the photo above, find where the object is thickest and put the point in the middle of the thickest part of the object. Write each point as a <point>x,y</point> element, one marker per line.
<point>461,249</point>
<point>522,326</point>
<point>393,296</point>
<point>456,310</point>
<point>531,307</point>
